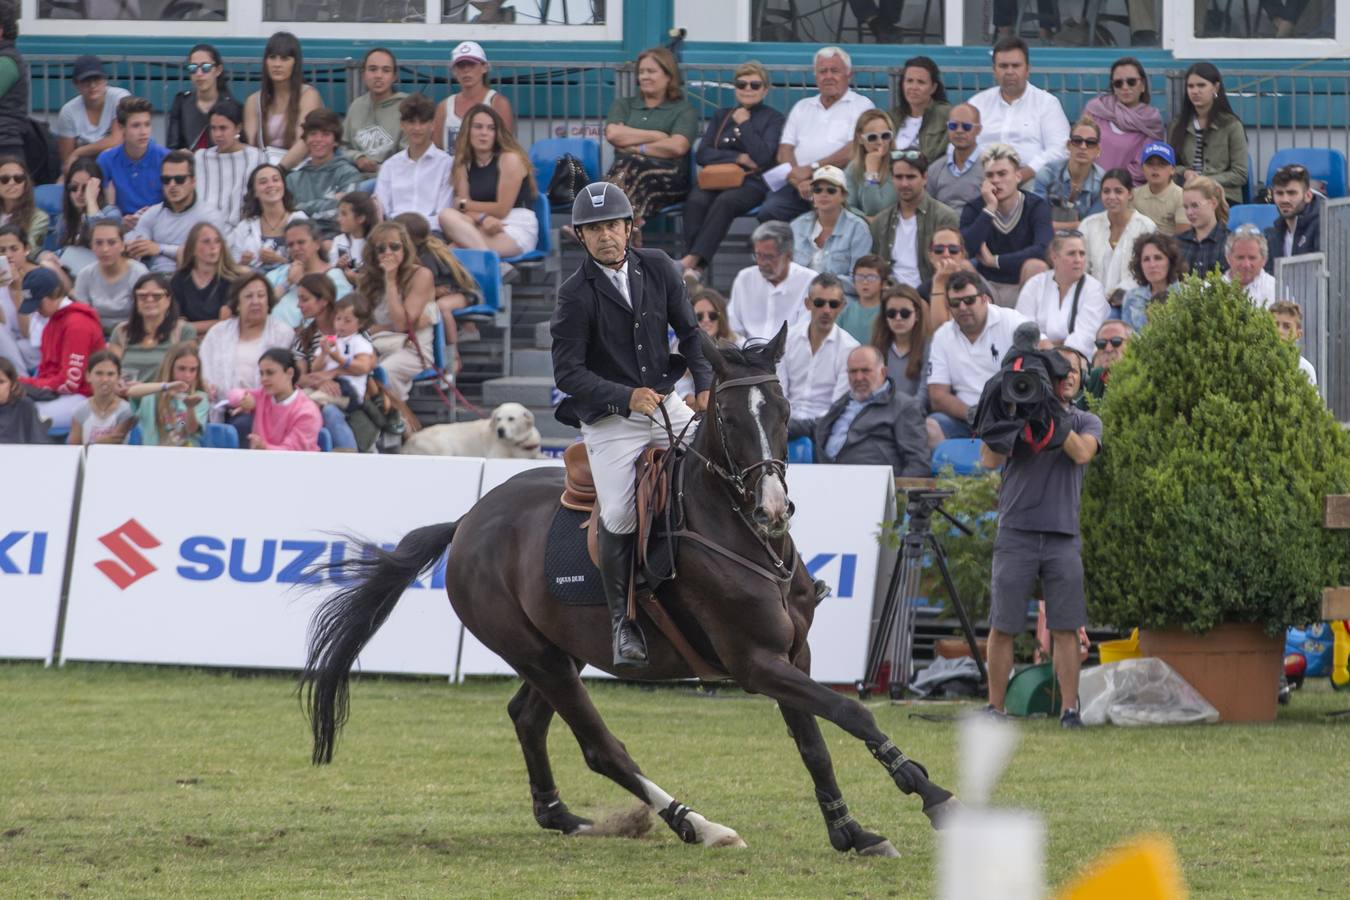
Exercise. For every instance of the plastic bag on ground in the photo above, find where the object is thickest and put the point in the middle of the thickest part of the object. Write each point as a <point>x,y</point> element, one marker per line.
<point>1140,692</point>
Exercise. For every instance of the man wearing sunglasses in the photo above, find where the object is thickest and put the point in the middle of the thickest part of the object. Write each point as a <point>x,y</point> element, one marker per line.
<point>1017,113</point>
<point>814,369</point>
<point>162,229</point>
<point>903,233</point>
<point>956,180</point>
<point>1112,337</point>
<point>819,132</point>
<point>1299,227</point>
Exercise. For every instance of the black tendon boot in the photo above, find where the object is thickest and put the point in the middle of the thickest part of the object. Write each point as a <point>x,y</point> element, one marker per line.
<point>616,555</point>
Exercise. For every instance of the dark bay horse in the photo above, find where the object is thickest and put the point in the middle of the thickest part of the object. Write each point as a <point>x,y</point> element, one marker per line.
<point>755,625</point>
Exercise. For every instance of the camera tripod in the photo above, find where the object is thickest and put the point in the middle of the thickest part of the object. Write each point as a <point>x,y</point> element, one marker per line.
<point>893,642</point>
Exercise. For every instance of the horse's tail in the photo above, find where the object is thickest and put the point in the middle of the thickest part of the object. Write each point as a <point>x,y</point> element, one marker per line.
<point>346,621</point>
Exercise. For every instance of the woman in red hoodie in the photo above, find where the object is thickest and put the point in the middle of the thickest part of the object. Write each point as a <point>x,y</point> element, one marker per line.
<point>284,418</point>
<point>71,335</point>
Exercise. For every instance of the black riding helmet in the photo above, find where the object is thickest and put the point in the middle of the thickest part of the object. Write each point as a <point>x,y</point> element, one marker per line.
<point>600,201</point>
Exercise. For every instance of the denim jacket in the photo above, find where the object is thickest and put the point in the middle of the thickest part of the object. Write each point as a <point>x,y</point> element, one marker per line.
<point>850,241</point>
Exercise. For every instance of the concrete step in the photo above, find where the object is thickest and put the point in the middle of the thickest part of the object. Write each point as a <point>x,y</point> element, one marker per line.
<point>531,390</point>
<point>550,428</point>
<point>533,362</point>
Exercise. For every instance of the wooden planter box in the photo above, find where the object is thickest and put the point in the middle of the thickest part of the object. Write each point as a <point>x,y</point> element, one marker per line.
<point>1235,667</point>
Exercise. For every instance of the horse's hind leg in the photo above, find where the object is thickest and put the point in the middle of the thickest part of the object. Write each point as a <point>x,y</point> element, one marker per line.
<point>532,714</point>
<point>606,755</point>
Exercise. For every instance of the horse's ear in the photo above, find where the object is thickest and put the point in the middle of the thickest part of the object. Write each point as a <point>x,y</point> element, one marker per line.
<point>712,354</point>
<point>774,348</point>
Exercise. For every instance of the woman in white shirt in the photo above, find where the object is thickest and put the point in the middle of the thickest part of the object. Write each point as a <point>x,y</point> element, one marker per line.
<point>1067,303</point>
<point>1110,235</point>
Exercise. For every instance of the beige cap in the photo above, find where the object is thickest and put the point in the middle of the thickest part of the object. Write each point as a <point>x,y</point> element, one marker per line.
<point>831,175</point>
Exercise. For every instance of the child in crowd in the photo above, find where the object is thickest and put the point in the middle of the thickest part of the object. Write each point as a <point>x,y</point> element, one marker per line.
<point>172,409</point>
<point>283,417</point>
<point>356,215</point>
<point>70,338</point>
<point>348,351</point>
<point>131,169</point>
<point>1289,320</point>
<point>106,283</point>
<point>223,168</point>
<point>19,421</point>
<point>103,417</point>
<point>1161,199</point>
<point>869,277</point>
<point>326,175</point>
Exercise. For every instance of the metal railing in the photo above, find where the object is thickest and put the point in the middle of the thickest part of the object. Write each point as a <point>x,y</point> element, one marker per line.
<point>1303,279</point>
<point>1336,246</point>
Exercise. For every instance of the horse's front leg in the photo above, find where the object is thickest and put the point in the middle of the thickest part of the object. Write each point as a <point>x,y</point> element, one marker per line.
<point>767,673</point>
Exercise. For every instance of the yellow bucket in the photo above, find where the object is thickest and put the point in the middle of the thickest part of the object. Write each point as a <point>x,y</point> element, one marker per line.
<point>1115,651</point>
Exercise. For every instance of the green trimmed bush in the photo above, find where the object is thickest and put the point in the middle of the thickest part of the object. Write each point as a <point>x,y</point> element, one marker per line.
<point>1205,505</point>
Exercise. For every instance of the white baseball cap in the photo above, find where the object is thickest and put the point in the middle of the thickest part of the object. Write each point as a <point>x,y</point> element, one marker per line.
<point>468,50</point>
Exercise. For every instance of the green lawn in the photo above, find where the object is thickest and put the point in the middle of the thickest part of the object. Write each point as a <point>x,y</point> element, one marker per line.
<point>135,782</point>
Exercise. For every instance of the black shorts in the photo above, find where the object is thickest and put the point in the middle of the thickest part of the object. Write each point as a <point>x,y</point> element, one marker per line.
<point>1020,557</point>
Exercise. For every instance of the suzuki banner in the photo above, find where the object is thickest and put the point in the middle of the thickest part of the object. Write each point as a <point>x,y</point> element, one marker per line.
<point>35,518</point>
<point>203,557</point>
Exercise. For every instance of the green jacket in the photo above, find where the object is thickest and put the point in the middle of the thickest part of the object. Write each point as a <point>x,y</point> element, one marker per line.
<point>1225,154</point>
<point>932,130</point>
<point>317,188</point>
<point>933,215</point>
<point>373,132</point>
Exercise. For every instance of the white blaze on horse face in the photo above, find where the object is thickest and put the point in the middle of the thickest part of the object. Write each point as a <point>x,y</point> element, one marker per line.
<point>772,492</point>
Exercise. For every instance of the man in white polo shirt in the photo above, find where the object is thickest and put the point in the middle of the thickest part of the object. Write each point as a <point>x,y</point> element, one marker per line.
<point>814,369</point>
<point>819,132</point>
<point>966,352</point>
<point>1019,114</point>
<point>770,292</point>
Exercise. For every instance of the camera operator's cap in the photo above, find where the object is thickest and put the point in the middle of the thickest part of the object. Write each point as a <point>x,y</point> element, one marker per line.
<point>87,67</point>
<point>830,175</point>
<point>1160,150</point>
<point>468,50</point>
<point>37,286</point>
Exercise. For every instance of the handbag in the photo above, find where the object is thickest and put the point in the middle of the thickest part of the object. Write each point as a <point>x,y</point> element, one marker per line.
<point>720,176</point>
<point>569,179</point>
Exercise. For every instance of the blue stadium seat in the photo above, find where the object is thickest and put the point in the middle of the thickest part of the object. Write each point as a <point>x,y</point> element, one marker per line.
<point>962,454</point>
<point>541,248</point>
<point>801,450</point>
<point>325,441</point>
<point>437,354</point>
<point>58,435</point>
<point>1327,166</point>
<point>136,437</point>
<point>544,156</point>
<point>220,436</point>
<point>49,198</point>
<point>1262,215</point>
<point>485,267</point>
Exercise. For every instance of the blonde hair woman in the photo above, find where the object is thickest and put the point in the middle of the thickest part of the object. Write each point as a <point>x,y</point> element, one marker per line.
<point>867,176</point>
<point>401,292</point>
<point>1204,202</point>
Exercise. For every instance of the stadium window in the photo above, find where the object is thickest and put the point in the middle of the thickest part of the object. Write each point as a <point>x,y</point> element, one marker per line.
<point>135,10</point>
<point>524,12</point>
<point>340,11</point>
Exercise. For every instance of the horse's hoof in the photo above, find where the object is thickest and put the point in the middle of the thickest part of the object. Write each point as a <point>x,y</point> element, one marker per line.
<point>731,840</point>
<point>582,829</point>
<point>939,813</point>
<point>885,848</point>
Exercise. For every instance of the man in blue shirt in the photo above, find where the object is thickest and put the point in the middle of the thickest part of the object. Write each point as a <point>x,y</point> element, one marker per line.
<point>131,171</point>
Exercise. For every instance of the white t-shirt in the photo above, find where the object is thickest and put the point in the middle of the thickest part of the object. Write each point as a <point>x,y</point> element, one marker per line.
<point>908,135</point>
<point>815,132</point>
<point>1040,301</point>
<point>966,365</point>
<point>349,346</point>
<point>72,122</point>
<point>94,426</point>
<point>905,251</point>
<point>1307,369</point>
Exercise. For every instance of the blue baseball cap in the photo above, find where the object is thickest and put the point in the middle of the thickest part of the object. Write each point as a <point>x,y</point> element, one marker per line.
<point>1158,148</point>
<point>37,286</point>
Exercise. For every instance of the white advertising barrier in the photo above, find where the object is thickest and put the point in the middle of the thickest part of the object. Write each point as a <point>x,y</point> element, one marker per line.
<point>196,556</point>
<point>39,494</point>
<point>839,513</point>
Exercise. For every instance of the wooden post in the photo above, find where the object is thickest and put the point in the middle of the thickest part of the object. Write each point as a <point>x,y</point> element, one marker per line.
<point>1336,516</point>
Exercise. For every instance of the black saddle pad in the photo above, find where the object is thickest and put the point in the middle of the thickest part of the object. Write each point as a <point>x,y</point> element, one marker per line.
<point>572,578</point>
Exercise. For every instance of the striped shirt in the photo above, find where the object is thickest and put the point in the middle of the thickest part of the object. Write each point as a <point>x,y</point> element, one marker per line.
<point>222,178</point>
<point>1198,160</point>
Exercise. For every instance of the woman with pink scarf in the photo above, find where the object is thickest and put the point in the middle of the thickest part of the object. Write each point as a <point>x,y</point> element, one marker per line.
<point>1125,118</point>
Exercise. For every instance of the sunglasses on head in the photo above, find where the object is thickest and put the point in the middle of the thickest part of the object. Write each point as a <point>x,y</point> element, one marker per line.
<point>708,316</point>
<point>906,155</point>
<point>1293,170</point>
<point>204,68</point>
<point>878,136</point>
<point>1084,141</point>
<point>820,302</point>
<point>954,302</point>
<point>388,248</point>
<point>15,179</point>
<point>899,312</point>
<point>960,126</point>
<point>747,85</point>
<point>945,249</point>
<point>1101,343</point>
<point>174,179</point>
<point>1068,233</point>
<point>824,189</point>
<point>1124,82</point>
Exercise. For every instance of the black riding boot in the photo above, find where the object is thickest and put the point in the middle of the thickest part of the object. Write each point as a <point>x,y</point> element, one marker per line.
<point>616,554</point>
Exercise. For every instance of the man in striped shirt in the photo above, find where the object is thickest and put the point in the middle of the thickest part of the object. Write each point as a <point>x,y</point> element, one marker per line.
<point>223,169</point>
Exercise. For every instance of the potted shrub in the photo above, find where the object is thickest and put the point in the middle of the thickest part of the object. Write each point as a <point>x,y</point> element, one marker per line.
<point>1202,517</point>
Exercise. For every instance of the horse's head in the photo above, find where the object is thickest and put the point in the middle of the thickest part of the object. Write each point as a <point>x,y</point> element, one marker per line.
<point>750,418</point>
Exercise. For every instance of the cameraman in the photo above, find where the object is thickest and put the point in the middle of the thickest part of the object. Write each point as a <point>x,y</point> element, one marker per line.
<point>1038,537</point>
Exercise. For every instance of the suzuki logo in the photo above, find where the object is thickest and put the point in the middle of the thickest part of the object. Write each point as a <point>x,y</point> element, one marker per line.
<point>134,566</point>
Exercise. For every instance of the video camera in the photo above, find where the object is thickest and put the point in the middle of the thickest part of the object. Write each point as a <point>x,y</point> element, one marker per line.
<point>1021,399</point>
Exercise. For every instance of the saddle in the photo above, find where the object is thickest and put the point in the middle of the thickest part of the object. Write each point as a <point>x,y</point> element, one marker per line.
<point>653,473</point>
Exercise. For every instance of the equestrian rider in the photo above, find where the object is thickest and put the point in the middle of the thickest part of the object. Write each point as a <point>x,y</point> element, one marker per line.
<point>611,355</point>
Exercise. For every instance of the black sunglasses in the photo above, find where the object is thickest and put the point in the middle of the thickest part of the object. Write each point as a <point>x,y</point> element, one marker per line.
<point>954,302</point>
<point>960,126</point>
<point>824,189</point>
<point>708,316</point>
<point>1124,82</point>
<point>1084,141</point>
<point>174,179</point>
<point>1101,343</point>
<point>902,312</point>
<point>749,85</point>
<point>204,68</point>
<point>16,179</point>
<point>819,303</point>
<point>945,249</point>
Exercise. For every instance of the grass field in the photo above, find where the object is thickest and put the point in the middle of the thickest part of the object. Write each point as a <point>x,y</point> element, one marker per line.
<point>138,782</point>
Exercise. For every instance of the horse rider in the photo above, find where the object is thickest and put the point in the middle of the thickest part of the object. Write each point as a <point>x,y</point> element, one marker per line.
<point>611,356</point>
